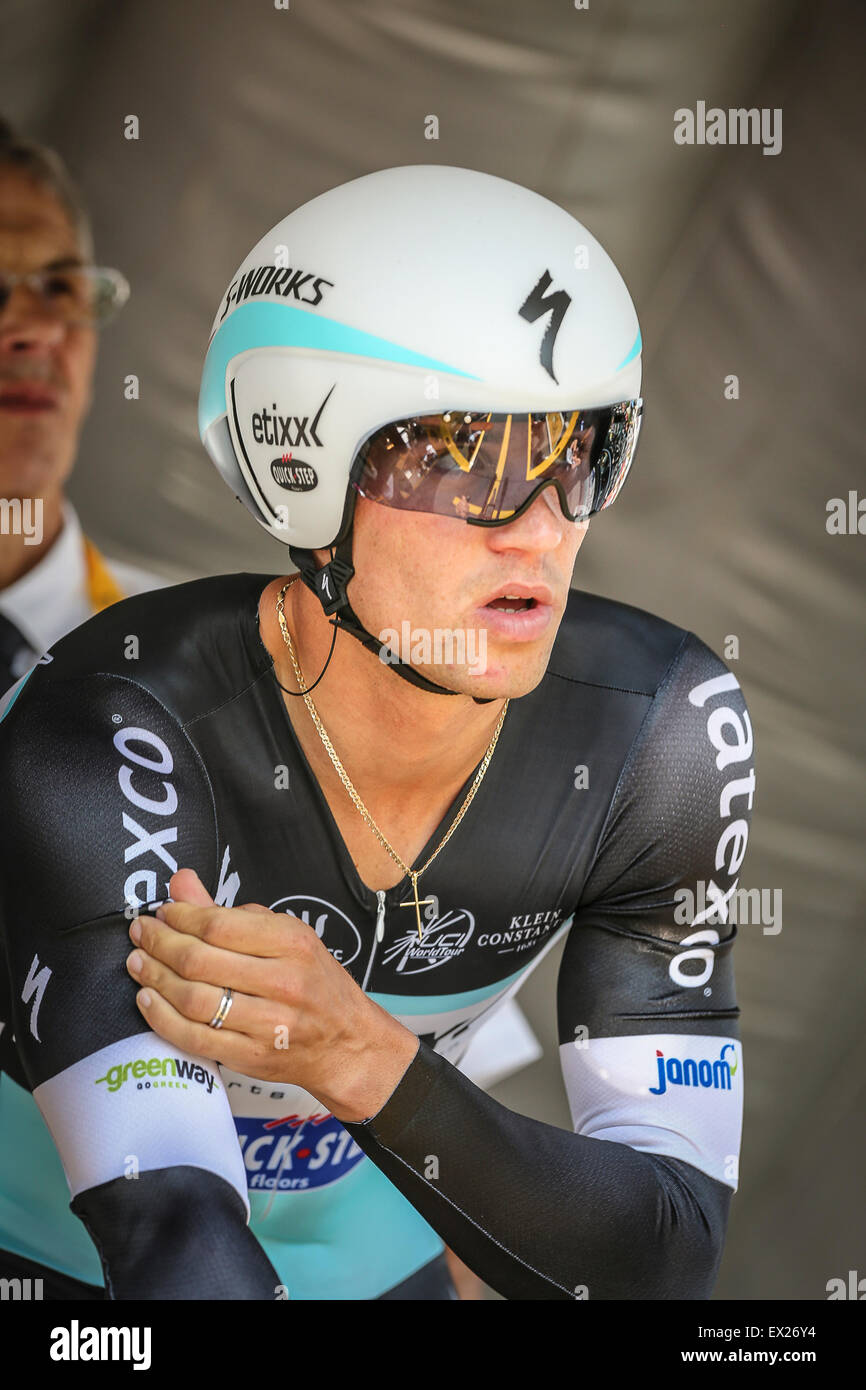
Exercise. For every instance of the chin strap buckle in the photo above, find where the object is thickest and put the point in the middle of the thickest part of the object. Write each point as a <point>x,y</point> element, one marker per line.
<point>331,582</point>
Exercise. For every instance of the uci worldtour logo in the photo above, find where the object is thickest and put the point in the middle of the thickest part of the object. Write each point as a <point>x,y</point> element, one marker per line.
<point>333,928</point>
<point>685,1071</point>
<point>443,939</point>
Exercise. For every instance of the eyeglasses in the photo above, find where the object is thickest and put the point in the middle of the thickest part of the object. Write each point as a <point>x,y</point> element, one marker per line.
<point>487,468</point>
<point>82,294</point>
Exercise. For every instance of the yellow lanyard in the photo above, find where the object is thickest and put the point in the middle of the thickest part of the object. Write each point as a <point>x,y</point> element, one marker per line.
<point>102,588</point>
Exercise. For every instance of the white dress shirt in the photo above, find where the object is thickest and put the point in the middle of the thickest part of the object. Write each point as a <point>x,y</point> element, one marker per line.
<point>52,597</point>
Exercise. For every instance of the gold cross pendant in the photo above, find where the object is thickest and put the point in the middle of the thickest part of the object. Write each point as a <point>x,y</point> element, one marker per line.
<point>416,902</point>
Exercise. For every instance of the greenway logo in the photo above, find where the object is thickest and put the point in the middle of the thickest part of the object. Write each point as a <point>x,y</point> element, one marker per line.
<point>155,1073</point>
<point>685,1071</point>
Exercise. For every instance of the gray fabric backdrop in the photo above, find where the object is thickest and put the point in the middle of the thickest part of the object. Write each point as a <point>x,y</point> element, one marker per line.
<point>738,262</point>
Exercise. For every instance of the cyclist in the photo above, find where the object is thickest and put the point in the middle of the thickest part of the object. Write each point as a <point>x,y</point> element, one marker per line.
<point>406,830</point>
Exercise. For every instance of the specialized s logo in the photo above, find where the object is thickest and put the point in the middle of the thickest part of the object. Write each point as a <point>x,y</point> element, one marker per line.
<point>539,302</point>
<point>34,988</point>
<point>685,1071</point>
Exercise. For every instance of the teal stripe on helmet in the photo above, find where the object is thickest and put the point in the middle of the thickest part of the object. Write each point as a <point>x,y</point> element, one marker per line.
<point>282,325</point>
<point>636,348</point>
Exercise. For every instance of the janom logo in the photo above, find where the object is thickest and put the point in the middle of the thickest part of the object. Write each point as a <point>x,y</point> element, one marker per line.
<point>685,1071</point>
<point>155,1073</point>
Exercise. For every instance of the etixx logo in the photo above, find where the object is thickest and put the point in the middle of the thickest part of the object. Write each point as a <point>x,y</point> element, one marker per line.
<point>289,433</point>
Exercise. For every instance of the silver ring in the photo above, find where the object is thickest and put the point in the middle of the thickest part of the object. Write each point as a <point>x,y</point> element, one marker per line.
<point>222,1012</point>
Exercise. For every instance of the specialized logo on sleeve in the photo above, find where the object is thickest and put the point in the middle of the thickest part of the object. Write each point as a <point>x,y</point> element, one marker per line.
<point>34,988</point>
<point>333,928</point>
<point>229,882</point>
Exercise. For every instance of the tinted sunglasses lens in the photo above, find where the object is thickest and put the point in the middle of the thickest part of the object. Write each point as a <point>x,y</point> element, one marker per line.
<point>484,467</point>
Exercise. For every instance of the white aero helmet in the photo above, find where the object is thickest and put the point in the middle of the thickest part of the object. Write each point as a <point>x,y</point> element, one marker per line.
<point>393,312</point>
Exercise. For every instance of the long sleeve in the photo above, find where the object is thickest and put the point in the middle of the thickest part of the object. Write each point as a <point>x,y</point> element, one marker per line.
<point>634,1203</point>
<point>103,797</point>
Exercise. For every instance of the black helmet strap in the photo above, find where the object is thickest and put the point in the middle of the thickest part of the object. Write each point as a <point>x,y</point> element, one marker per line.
<point>330,584</point>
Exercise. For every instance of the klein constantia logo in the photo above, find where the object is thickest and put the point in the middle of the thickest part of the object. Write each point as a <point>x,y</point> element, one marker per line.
<point>524,932</point>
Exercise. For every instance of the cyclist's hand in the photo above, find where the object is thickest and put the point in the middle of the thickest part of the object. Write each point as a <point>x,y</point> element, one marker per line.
<point>296,1014</point>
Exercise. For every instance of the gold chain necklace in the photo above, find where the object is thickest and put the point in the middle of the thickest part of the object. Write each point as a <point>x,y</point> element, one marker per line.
<point>413,875</point>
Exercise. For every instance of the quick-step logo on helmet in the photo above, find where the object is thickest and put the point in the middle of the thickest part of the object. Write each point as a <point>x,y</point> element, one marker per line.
<point>155,1073</point>
<point>685,1071</point>
<point>294,477</point>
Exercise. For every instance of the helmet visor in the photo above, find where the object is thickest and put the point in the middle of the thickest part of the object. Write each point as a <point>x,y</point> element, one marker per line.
<point>485,467</point>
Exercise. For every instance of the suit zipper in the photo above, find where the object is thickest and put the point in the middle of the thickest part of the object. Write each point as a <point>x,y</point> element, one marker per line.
<point>379,934</point>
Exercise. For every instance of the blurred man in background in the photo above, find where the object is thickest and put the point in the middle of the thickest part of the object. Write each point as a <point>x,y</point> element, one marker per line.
<point>53,300</point>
